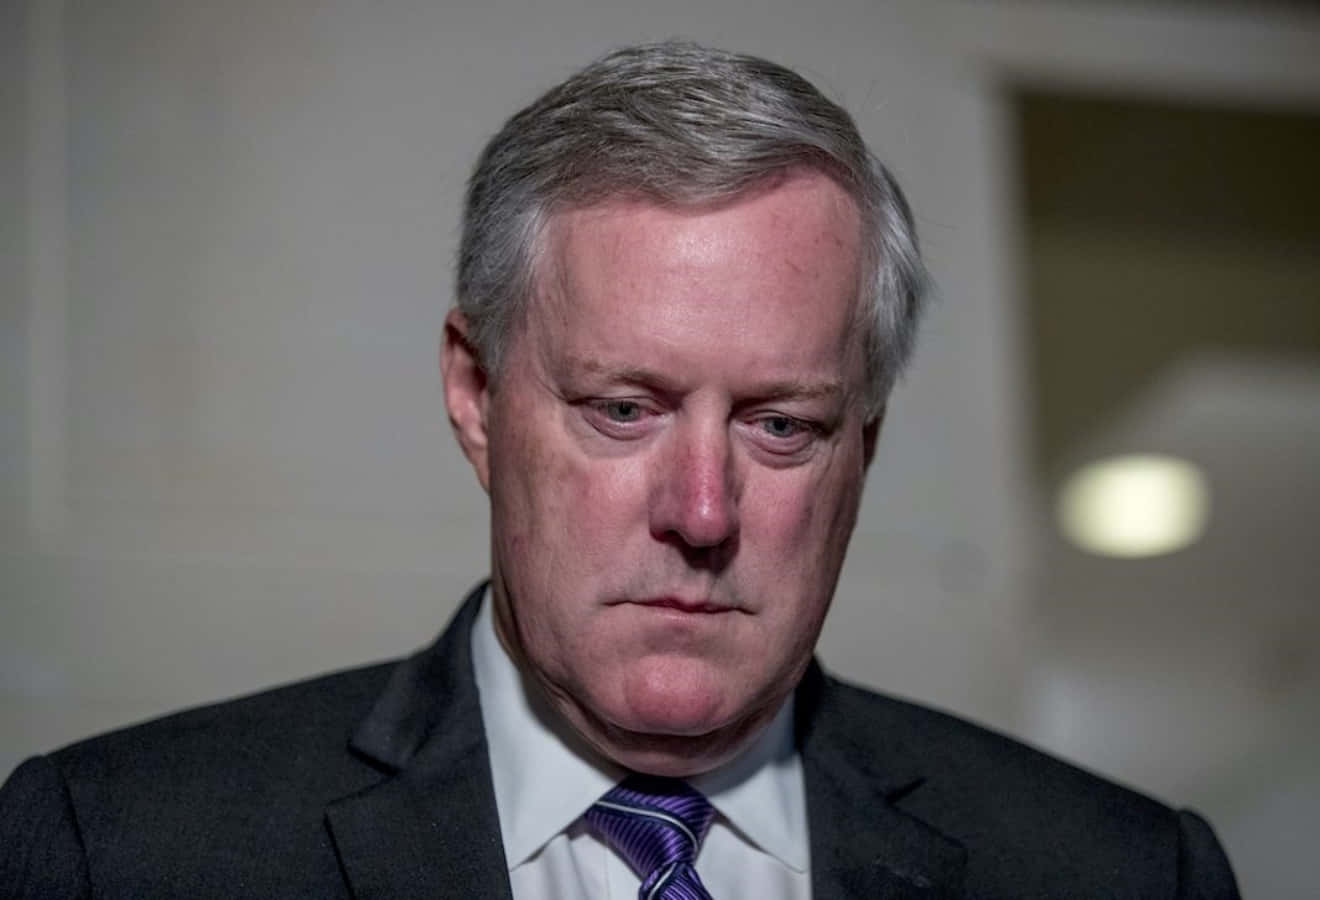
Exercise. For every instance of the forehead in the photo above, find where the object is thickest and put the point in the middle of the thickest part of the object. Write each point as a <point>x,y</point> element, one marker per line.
<point>774,272</point>
<point>780,220</point>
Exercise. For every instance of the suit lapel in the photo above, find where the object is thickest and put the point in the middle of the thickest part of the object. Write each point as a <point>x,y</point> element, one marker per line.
<point>862,844</point>
<point>429,828</point>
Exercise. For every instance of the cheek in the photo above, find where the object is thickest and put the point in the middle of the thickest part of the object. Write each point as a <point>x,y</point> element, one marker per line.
<point>810,519</point>
<point>801,533</point>
<point>562,513</point>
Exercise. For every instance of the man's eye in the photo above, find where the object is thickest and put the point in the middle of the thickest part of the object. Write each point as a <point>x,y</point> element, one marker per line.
<point>782,426</point>
<point>621,411</point>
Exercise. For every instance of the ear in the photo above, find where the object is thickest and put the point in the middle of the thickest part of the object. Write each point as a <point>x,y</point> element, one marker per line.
<point>467,392</point>
<point>870,436</point>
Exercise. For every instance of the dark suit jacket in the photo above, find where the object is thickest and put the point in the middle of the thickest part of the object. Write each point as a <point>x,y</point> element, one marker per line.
<point>375,783</point>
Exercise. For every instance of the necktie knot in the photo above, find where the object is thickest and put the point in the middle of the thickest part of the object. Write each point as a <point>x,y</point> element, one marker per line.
<point>657,825</point>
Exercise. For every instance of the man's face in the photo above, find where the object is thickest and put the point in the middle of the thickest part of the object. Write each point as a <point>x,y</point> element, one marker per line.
<point>675,453</point>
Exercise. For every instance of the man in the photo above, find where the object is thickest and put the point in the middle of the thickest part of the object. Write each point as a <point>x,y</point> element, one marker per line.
<point>685,289</point>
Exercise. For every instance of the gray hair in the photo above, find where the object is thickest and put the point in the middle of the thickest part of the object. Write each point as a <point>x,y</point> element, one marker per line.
<point>685,125</point>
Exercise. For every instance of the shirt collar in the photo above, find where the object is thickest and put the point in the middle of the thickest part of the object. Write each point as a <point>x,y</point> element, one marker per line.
<point>760,792</point>
<point>545,777</point>
<point>542,784</point>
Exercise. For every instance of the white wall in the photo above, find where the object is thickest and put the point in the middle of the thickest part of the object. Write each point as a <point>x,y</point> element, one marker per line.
<point>241,219</point>
<point>225,462</point>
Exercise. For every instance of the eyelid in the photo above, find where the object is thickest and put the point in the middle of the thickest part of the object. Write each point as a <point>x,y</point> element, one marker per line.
<point>806,433</point>
<point>804,421</point>
<point>609,404</point>
<point>602,402</point>
<point>596,412</point>
<point>799,425</point>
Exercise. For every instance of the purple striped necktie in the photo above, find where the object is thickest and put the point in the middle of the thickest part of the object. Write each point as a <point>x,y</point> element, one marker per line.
<point>656,824</point>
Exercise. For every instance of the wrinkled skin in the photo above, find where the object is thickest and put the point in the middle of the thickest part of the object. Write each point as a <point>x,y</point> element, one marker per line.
<point>674,450</point>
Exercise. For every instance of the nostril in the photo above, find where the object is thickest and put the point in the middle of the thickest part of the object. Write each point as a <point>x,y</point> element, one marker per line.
<point>712,558</point>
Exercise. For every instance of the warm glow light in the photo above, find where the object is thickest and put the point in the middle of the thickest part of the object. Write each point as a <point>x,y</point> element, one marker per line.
<point>1131,506</point>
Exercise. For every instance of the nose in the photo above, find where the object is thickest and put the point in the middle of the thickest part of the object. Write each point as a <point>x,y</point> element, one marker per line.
<point>695,497</point>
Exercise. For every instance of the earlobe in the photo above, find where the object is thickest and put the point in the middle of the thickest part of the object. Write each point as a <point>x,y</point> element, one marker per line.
<point>466,394</point>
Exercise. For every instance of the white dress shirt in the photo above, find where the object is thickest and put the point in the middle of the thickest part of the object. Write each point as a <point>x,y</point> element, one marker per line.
<point>545,778</point>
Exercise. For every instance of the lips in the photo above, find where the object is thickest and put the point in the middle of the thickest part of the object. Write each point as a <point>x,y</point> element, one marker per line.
<point>684,604</point>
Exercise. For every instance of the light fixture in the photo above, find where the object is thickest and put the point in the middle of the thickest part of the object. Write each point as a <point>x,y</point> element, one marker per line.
<point>1134,505</point>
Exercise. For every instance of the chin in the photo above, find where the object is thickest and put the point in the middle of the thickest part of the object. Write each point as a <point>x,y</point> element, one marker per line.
<point>672,755</point>
<point>677,698</point>
<point>675,727</point>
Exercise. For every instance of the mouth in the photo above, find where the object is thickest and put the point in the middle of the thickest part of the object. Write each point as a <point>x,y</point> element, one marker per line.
<point>684,604</point>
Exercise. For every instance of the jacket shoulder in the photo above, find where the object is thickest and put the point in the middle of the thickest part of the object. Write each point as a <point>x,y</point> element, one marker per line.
<point>41,851</point>
<point>1031,823</point>
<point>230,791</point>
<point>269,736</point>
<point>945,747</point>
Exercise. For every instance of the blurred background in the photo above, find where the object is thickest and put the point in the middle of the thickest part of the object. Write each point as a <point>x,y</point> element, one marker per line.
<point>226,234</point>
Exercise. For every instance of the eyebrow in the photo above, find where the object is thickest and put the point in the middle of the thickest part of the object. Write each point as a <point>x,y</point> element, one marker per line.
<point>787,389</point>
